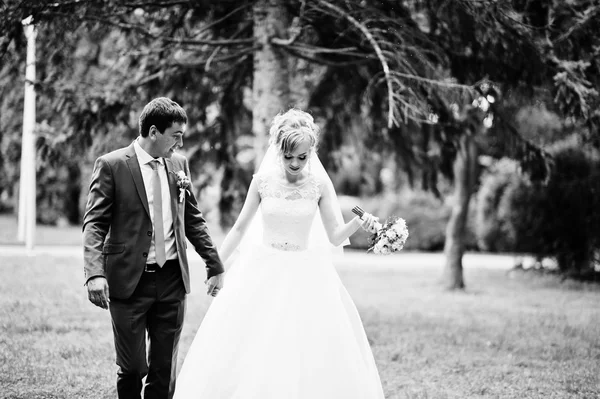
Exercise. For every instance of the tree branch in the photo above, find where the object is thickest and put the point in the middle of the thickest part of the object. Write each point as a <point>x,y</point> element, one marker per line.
<point>203,61</point>
<point>533,159</point>
<point>144,32</point>
<point>67,3</point>
<point>218,21</point>
<point>217,49</point>
<point>313,49</point>
<point>448,85</point>
<point>321,60</point>
<point>157,4</point>
<point>296,29</point>
<point>386,70</point>
<point>588,15</point>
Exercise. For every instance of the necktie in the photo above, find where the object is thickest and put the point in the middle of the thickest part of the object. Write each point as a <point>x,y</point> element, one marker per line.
<point>159,232</point>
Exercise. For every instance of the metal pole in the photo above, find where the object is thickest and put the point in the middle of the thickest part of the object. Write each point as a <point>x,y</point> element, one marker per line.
<point>27,186</point>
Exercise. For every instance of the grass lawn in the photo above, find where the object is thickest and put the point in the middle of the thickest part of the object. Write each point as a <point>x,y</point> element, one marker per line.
<point>508,336</point>
<point>44,235</point>
<point>57,236</point>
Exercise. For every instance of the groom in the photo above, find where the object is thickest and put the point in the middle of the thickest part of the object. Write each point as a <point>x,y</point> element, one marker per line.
<point>135,226</point>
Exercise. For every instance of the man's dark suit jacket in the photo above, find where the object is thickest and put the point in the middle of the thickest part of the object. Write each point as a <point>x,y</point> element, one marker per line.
<point>117,229</point>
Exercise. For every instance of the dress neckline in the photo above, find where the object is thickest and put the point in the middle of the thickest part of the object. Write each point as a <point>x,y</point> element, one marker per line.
<point>290,185</point>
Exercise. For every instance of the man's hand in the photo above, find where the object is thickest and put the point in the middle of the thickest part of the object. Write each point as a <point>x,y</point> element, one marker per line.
<point>98,292</point>
<point>215,283</point>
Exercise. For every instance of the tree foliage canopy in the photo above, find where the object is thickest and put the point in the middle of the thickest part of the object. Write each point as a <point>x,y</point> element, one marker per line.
<point>413,73</point>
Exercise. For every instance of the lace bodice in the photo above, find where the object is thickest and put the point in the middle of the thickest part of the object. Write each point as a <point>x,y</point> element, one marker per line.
<point>287,212</point>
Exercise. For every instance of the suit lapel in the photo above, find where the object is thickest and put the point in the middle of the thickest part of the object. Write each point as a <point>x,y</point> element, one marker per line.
<point>172,189</point>
<point>136,173</point>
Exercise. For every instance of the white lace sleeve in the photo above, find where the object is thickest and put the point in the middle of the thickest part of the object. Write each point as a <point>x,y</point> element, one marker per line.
<point>262,184</point>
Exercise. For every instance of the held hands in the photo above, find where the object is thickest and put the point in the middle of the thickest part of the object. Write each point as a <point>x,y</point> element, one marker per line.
<point>215,283</point>
<point>98,292</point>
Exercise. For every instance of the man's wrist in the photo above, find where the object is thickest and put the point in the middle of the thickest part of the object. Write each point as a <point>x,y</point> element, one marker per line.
<point>94,278</point>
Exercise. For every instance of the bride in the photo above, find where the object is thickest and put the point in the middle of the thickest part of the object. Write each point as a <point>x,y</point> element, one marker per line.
<point>284,326</point>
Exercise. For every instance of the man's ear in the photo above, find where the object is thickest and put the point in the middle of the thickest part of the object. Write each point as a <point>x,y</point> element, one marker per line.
<point>152,132</point>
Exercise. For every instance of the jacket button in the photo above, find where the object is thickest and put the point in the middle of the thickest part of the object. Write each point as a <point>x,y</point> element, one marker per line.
<point>145,254</point>
<point>149,234</point>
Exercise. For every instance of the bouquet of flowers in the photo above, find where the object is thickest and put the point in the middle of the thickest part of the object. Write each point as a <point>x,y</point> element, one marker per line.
<point>388,237</point>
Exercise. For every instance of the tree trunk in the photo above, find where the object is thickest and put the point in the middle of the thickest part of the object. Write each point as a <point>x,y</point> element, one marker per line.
<point>270,94</point>
<point>465,174</point>
<point>270,87</point>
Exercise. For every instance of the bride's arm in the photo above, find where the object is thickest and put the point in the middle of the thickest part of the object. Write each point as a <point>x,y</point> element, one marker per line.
<point>235,235</point>
<point>338,231</point>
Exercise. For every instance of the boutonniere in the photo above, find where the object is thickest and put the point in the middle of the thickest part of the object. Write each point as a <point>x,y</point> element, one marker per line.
<point>183,182</point>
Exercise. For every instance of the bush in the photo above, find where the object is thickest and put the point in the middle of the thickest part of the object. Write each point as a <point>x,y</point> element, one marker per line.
<point>524,230</point>
<point>489,228</point>
<point>560,219</point>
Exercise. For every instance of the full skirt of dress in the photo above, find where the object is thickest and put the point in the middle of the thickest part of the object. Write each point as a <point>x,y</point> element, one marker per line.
<point>282,327</point>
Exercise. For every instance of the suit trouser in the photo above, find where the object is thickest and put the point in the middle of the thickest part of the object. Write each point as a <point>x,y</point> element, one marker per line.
<point>154,311</point>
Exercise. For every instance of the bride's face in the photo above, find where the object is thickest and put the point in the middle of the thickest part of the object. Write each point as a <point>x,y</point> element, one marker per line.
<point>294,162</point>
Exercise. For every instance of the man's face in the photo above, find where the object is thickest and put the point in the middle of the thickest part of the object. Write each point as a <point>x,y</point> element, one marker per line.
<point>166,143</point>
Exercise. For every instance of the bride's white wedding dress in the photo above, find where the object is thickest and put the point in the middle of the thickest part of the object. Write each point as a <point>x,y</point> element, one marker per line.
<point>283,326</point>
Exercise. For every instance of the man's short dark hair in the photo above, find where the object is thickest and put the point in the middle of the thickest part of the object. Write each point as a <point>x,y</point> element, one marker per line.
<point>161,112</point>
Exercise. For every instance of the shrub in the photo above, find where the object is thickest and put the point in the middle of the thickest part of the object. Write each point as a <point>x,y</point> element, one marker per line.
<point>560,219</point>
<point>489,229</point>
<point>523,230</point>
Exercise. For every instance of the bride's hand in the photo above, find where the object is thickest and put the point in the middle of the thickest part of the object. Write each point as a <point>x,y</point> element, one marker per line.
<point>368,222</point>
<point>215,283</point>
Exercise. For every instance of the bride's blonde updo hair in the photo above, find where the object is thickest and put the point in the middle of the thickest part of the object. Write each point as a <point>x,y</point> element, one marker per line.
<point>292,127</point>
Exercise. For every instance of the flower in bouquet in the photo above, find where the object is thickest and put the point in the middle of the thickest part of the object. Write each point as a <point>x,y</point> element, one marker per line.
<point>391,234</point>
<point>382,247</point>
<point>388,237</point>
<point>397,246</point>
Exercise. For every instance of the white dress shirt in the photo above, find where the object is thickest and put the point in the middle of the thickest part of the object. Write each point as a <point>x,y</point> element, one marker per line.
<point>144,160</point>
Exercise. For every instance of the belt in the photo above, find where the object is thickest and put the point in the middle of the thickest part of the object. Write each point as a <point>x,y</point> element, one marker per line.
<point>153,267</point>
